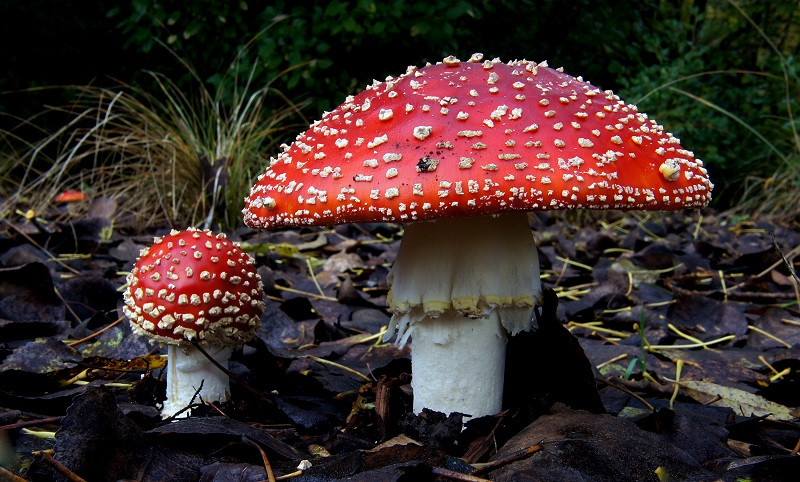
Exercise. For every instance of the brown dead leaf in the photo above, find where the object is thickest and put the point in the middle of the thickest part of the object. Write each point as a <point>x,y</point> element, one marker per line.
<point>780,279</point>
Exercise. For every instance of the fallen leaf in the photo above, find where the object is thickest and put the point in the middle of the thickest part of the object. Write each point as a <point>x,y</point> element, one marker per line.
<point>578,445</point>
<point>747,404</point>
<point>27,294</point>
<point>706,318</point>
<point>99,443</point>
<point>233,471</point>
<point>780,278</point>
<point>102,207</point>
<point>44,355</point>
<point>215,431</point>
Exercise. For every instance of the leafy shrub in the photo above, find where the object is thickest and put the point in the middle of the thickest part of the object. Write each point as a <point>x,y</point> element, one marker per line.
<point>322,50</point>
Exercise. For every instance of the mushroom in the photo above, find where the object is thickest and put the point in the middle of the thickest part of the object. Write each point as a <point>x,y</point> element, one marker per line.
<point>460,151</point>
<point>194,287</point>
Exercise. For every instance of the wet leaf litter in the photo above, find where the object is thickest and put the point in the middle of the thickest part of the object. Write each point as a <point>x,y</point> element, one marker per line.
<point>682,361</point>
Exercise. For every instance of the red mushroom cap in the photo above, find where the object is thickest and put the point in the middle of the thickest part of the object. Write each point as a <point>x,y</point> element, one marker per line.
<point>71,196</point>
<point>470,138</point>
<point>194,285</point>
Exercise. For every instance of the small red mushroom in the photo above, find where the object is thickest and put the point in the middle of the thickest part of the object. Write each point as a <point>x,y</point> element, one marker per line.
<point>461,150</point>
<point>71,196</point>
<point>194,286</point>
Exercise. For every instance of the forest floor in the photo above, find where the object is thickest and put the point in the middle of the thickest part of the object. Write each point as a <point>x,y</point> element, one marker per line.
<point>690,322</point>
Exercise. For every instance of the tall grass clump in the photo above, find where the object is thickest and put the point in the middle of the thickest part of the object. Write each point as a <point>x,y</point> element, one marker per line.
<point>779,194</point>
<point>166,154</point>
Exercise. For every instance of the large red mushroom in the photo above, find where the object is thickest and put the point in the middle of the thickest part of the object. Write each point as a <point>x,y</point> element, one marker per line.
<point>460,151</point>
<point>194,287</point>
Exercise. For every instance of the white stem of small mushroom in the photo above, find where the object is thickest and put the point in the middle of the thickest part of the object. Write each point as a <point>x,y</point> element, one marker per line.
<point>458,286</point>
<point>187,369</point>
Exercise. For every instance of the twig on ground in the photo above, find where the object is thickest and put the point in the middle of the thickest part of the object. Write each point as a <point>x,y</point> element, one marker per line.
<point>314,276</point>
<point>613,360</point>
<point>288,476</point>
<point>6,474</point>
<point>693,345</point>
<point>188,406</point>
<point>340,366</point>
<point>42,434</point>
<point>775,373</point>
<point>481,445</point>
<point>264,458</point>
<point>574,263</point>
<point>232,376</point>
<point>628,391</point>
<point>453,475</point>
<point>40,248</point>
<point>66,304</point>
<point>768,335</point>
<point>29,423</point>
<point>305,293</point>
<point>684,335</point>
<point>785,259</point>
<point>595,326</point>
<point>513,457</point>
<point>96,333</point>
<point>61,468</point>
<point>678,368</point>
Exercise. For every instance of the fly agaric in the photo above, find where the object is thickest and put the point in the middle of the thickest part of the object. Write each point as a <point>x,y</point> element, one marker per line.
<point>194,286</point>
<point>461,150</point>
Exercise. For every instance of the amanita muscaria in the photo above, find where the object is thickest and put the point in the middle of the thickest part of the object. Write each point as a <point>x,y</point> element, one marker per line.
<point>460,151</point>
<point>194,286</point>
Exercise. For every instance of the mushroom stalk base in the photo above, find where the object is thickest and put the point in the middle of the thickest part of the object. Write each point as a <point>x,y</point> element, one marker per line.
<point>464,374</point>
<point>187,370</point>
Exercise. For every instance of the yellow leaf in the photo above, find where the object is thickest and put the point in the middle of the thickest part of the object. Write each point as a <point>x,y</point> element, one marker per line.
<point>743,403</point>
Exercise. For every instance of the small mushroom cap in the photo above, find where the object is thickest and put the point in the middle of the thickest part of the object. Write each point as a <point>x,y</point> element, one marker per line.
<point>470,138</point>
<point>194,285</point>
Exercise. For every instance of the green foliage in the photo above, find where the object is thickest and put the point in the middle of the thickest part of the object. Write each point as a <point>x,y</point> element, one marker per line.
<point>324,50</point>
<point>719,85</point>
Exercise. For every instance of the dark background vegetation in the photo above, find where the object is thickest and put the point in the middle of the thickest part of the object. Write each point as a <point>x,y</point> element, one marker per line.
<point>701,68</point>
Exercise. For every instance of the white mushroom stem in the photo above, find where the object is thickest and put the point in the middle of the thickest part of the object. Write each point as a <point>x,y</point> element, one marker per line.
<point>458,286</point>
<point>458,364</point>
<point>187,370</point>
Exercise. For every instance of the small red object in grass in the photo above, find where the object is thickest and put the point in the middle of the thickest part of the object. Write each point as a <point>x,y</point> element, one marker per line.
<point>71,196</point>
